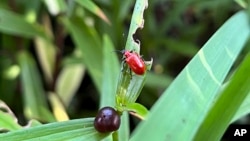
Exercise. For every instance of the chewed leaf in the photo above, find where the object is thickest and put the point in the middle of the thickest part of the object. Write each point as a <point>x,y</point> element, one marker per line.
<point>149,64</point>
<point>130,84</point>
<point>136,22</point>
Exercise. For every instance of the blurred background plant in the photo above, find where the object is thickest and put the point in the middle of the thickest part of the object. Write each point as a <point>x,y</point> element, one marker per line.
<point>52,50</point>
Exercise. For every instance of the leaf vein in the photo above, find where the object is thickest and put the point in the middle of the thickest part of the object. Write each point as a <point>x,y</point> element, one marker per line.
<point>207,67</point>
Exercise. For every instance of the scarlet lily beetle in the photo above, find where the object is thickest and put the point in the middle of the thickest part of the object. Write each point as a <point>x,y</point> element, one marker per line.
<point>135,62</point>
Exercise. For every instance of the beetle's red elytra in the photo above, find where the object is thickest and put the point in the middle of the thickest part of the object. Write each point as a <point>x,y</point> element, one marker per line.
<point>135,62</point>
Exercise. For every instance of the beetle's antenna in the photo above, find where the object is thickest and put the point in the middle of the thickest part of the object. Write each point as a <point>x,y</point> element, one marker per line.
<point>120,51</point>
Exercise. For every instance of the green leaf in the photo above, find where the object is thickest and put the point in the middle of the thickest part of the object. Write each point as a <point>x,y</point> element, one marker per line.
<point>46,51</point>
<point>72,130</point>
<point>129,87</point>
<point>137,110</point>
<point>110,73</point>
<point>226,104</point>
<point>55,7</point>
<point>123,132</point>
<point>8,121</point>
<point>242,3</point>
<point>243,109</point>
<point>182,108</point>
<point>14,24</point>
<point>92,7</point>
<point>72,73</point>
<point>89,43</point>
<point>33,123</point>
<point>58,107</point>
<point>137,22</point>
<point>130,84</point>
<point>110,76</point>
<point>124,9</point>
<point>35,105</point>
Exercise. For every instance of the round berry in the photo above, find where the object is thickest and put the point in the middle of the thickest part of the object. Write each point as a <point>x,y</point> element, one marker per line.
<point>107,120</point>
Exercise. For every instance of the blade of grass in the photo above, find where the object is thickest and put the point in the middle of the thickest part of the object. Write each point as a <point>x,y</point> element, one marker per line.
<point>181,109</point>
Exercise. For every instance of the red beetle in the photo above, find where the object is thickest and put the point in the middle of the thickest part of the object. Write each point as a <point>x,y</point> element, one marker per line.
<point>135,62</point>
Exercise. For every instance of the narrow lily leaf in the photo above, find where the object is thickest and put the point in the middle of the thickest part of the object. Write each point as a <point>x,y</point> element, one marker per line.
<point>130,84</point>
<point>89,43</point>
<point>123,132</point>
<point>92,7</point>
<point>72,73</point>
<point>110,73</point>
<point>242,3</point>
<point>125,8</point>
<point>58,107</point>
<point>15,24</point>
<point>243,109</point>
<point>46,51</point>
<point>35,105</point>
<point>32,123</point>
<point>8,121</point>
<point>137,22</point>
<point>137,110</point>
<point>226,104</point>
<point>72,130</point>
<point>182,108</point>
<point>55,7</point>
<point>129,87</point>
<point>110,76</point>
<point>46,54</point>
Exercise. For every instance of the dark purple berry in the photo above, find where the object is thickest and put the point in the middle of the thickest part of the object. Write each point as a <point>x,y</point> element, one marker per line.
<point>107,120</point>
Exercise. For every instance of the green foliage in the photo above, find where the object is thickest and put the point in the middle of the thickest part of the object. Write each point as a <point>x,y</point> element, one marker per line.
<point>58,63</point>
<point>80,129</point>
<point>187,101</point>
